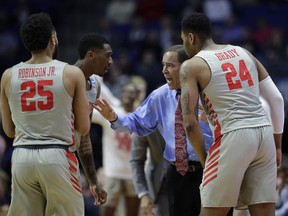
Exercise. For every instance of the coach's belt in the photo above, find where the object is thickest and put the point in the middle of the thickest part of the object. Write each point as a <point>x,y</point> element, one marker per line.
<point>192,165</point>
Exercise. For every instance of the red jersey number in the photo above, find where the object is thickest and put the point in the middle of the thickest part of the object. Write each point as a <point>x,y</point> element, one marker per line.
<point>36,88</point>
<point>231,76</point>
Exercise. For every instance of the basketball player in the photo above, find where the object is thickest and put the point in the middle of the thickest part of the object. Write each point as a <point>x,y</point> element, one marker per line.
<point>240,169</point>
<point>43,102</point>
<point>95,58</point>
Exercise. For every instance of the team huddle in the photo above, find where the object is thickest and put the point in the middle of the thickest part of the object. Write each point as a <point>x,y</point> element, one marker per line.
<point>219,150</point>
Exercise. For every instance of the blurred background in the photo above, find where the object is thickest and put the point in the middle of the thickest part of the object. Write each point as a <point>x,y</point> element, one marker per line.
<point>139,32</point>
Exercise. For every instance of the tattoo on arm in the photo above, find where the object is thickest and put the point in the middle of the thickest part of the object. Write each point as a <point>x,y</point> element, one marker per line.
<point>185,101</point>
<point>85,153</point>
<point>183,75</point>
<point>85,145</point>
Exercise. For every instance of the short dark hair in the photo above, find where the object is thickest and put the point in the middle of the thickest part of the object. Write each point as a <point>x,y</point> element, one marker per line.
<point>181,54</point>
<point>36,31</point>
<point>90,41</point>
<point>197,23</point>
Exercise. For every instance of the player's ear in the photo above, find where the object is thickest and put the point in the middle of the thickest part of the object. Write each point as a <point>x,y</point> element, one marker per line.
<point>191,37</point>
<point>54,38</point>
<point>90,54</point>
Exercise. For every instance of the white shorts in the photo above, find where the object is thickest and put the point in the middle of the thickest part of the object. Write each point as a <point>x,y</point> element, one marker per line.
<point>116,188</point>
<point>45,182</point>
<point>240,169</point>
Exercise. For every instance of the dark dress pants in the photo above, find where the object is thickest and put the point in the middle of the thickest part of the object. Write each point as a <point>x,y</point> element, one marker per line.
<point>183,192</point>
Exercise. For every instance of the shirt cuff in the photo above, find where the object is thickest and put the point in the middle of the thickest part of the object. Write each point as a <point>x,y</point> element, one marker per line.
<point>115,124</point>
<point>114,120</point>
<point>140,195</point>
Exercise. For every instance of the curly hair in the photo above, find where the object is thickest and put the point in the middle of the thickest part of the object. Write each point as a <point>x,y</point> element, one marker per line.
<point>36,31</point>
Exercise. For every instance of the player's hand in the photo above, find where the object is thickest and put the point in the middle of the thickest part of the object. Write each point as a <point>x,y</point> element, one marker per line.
<point>146,205</point>
<point>278,141</point>
<point>103,107</point>
<point>99,194</point>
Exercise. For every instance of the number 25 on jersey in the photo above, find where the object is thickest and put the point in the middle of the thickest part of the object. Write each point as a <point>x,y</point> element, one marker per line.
<point>36,88</point>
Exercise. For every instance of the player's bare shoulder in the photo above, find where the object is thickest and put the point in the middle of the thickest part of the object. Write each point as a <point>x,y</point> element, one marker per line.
<point>7,74</point>
<point>6,79</point>
<point>192,67</point>
<point>73,77</point>
<point>196,69</point>
<point>73,71</point>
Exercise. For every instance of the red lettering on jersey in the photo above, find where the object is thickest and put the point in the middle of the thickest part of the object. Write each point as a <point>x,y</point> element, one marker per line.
<point>31,72</point>
<point>124,141</point>
<point>219,56</point>
<point>226,55</point>
<point>51,71</point>
<point>38,90</point>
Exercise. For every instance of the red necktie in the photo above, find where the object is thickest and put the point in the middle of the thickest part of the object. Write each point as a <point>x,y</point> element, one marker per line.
<point>180,141</point>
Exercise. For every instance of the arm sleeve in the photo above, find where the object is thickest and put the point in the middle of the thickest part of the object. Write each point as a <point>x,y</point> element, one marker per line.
<point>272,95</point>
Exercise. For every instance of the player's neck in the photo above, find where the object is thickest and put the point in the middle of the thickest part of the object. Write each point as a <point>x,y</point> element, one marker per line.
<point>211,45</point>
<point>39,58</point>
<point>84,67</point>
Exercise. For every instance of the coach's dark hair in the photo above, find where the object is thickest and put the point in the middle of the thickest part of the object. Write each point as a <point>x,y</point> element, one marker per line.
<point>36,31</point>
<point>181,54</point>
<point>197,23</point>
<point>90,41</point>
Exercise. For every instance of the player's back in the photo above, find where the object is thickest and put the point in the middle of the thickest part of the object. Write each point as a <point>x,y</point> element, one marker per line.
<point>41,108</point>
<point>231,97</point>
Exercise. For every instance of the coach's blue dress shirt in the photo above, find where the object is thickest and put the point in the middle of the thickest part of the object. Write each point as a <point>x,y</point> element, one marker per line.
<point>158,111</point>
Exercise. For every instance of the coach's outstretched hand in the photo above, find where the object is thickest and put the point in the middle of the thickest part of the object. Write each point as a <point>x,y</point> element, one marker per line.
<point>103,107</point>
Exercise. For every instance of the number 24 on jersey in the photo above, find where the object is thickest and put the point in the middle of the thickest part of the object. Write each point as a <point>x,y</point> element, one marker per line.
<point>234,80</point>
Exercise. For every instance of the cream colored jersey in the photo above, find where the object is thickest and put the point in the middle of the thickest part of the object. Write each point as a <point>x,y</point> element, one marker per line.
<point>41,107</point>
<point>92,92</point>
<point>231,98</point>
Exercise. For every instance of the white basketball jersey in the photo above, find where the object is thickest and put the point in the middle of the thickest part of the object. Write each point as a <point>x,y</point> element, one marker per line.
<point>92,96</point>
<point>231,99</point>
<point>41,107</point>
<point>92,92</point>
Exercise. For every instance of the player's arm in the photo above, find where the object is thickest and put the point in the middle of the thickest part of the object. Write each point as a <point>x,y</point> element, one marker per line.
<point>7,123</point>
<point>272,95</point>
<point>85,153</point>
<point>75,84</point>
<point>189,102</point>
<point>269,91</point>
